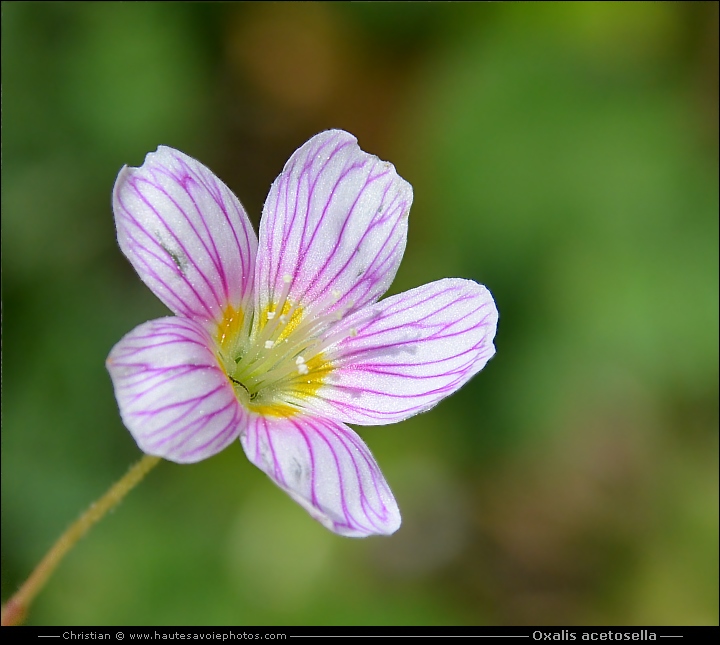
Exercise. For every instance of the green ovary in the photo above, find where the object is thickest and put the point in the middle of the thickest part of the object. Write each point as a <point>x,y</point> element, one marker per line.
<point>279,360</point>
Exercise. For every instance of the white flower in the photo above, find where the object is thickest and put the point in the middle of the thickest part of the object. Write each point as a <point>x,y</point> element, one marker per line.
<point>281,342</point>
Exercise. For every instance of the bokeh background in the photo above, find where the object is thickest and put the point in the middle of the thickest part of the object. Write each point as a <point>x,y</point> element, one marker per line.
<point>563,154</point>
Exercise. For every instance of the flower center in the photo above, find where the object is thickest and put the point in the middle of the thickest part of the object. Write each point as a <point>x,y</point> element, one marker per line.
<point>277,358</point>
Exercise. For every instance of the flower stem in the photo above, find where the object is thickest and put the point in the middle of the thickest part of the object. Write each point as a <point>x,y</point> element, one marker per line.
<point>15,610</point>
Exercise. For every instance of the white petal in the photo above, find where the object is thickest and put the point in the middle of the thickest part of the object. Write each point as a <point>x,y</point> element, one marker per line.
<point>173,396</point>
<point>326,468</point>
<point>405,354</point>
<point>186,234</point>
<point>335,222</point>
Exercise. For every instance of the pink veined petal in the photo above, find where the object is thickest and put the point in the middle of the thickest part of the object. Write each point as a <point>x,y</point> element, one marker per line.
<point>405,354</point>
<point>325,467</point>
<point>186,235</point>
<point>173,396</point>
<point>335,221</point>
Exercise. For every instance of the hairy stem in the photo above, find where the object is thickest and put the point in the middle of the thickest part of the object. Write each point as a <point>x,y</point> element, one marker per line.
<point>15,610</point>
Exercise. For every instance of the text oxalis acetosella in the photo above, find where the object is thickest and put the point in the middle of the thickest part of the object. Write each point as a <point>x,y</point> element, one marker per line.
<point>281,341</point>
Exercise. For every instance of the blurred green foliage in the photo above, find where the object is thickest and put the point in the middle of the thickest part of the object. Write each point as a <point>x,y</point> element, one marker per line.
<point>563,154</point>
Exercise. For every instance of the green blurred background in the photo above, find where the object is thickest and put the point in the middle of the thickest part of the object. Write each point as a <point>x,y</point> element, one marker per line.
<point>563,154</point>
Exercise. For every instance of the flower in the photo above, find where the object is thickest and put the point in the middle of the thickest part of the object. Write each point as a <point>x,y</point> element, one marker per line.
<point>281,341</point>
